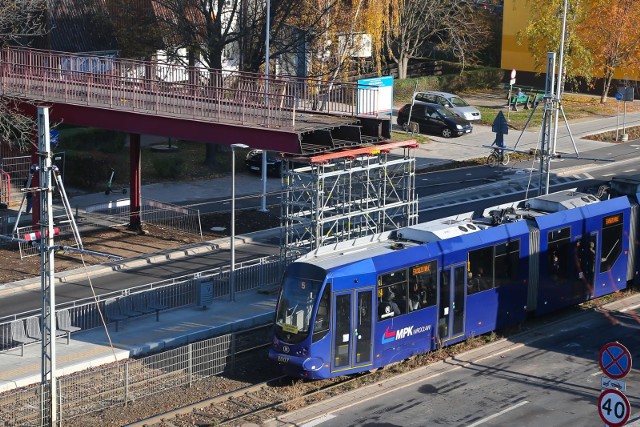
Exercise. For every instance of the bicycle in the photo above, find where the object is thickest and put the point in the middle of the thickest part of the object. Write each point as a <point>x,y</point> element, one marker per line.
<point>497,156</point>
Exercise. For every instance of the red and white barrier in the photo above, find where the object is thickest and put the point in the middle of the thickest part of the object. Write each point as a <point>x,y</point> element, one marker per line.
<point>30,237</point>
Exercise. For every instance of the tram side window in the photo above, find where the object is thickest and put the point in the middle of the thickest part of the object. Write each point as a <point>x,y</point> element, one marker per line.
<point>321,324</point>
<point>611,241</point>
<point>558,252</point>
<point>423,285</point>
<point>480,273</point>
<point>507,262</point>
<point>392,294</point>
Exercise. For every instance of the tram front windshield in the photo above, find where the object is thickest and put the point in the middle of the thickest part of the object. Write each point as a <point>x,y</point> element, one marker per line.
<point>293,315</point>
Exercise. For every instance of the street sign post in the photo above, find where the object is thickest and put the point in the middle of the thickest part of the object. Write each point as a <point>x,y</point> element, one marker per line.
<point>615,360</point>
<point>511,83</point>
<point>614,408</point>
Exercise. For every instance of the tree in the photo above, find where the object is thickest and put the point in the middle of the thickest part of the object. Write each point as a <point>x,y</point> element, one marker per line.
<point>412,29</point>
<point>613,34</point>
<point>21,21</point>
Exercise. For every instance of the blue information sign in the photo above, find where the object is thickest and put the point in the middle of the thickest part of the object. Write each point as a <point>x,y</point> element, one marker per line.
<point>619,96</point>
<point>615,360</point>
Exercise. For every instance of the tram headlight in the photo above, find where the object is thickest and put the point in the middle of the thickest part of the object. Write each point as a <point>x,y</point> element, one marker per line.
<point>313,364</point>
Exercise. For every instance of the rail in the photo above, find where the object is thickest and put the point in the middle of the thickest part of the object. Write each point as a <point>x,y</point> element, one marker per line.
<point>176,91</point>
<point>170,293</point>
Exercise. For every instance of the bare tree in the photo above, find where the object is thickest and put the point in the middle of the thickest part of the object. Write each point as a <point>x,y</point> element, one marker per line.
<point>21,22</point>
<point>421,26</point>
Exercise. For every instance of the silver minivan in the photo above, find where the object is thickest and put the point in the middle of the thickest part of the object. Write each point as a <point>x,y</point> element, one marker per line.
<point>457,105</point>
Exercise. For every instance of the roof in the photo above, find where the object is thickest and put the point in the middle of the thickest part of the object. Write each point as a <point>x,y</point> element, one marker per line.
<point>81,26</point>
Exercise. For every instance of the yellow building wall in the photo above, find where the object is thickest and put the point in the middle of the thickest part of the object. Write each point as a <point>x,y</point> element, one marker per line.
<point>515,56</point>
<point>515,18</point>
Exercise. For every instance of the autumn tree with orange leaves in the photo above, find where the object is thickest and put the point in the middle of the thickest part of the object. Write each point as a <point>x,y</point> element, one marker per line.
<point>601,37</point>
<point>613,34</point>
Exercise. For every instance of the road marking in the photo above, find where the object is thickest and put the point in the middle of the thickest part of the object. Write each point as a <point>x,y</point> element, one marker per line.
<point>633,307</point>
<point>596,373</point>
<point>504,411</point>
<point>608,174</point>
<point>629,170</point>
<point>318,421</point>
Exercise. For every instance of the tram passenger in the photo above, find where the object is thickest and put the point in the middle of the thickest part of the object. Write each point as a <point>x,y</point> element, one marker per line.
<point>473,284</point>
<point>483,282</point>
<point>417,296</point>
<point>388,307</point>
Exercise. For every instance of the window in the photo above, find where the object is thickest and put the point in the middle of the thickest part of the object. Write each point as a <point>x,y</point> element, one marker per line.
<point>480,270</point>
<point>558,250</point>
<point>423,285</point>
<point>496,265</point>
<point>392,294</point>
<point>611,241</point>
<point>323,315</point>
<point>507,262</point>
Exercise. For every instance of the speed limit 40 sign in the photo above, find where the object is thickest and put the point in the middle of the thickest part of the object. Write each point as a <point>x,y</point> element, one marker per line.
<point>614,408</point>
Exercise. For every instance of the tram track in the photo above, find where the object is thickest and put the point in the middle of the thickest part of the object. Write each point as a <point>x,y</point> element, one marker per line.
<point>254,403</point>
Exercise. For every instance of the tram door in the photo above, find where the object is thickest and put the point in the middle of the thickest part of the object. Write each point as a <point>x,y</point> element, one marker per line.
<point>352,345</point>
<point>451,310</point>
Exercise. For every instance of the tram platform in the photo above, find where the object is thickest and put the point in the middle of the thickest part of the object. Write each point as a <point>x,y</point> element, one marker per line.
<point>138,336</point>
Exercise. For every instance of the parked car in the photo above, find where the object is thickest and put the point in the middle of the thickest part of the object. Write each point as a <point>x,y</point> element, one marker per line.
<point>274,162</point>
<point>433,118</point>
<point>453,102</point>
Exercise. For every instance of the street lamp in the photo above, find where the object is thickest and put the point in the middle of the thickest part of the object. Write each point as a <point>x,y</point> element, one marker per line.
<point>232,273</point>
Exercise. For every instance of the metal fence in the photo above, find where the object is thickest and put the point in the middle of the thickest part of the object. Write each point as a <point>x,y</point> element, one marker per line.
<point>14,172</point>
<point>32,233</point>
<point>160,214</point>
<point>90,391</point>
<point>165,89</point>
<point>168,294</point>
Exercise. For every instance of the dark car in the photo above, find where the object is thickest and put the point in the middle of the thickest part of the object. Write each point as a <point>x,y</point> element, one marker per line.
<point>434,119</point>
<point>274,162</point>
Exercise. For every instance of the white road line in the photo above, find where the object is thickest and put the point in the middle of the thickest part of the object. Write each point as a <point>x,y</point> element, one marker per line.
<point>608,174</point>
<point>629,170</point>
<point>504,411</point>
<point>633,307</point>
<point>318,421</point>
<point>596,374</point>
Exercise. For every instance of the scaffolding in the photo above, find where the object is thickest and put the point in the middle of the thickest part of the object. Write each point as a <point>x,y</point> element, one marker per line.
<point>353,193</point>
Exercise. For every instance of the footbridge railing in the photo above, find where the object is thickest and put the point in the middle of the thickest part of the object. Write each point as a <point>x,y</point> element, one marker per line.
<point>175,90</point>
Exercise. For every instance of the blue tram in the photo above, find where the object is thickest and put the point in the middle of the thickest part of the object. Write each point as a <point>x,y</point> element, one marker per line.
<point>365,303</point>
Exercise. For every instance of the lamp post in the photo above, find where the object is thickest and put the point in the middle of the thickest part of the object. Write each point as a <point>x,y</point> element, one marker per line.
<point>232,273</point>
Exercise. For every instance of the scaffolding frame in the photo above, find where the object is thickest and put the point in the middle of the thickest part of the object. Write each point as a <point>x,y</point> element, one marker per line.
<point>348,194</point>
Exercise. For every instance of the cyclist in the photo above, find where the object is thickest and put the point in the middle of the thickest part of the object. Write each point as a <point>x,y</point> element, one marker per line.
<point>499,143</point>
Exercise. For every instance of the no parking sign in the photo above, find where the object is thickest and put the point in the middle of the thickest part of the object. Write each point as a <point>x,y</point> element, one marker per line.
<point>615,360</point>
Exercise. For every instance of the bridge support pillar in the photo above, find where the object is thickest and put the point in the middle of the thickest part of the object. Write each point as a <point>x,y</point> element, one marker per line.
<point>135,222</point>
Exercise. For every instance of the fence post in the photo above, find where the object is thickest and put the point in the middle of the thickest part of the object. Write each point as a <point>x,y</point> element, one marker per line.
<point>126,383</point>
<point>233,352</point>
<point>190,363</point>
<point>59,402</point>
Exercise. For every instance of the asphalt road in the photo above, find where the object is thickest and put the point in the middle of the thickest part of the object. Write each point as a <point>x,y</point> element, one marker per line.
<point>548,376</point>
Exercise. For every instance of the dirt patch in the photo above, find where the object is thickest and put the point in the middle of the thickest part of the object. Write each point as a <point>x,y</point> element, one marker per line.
<point>610,136</point>
<point>126,244</point>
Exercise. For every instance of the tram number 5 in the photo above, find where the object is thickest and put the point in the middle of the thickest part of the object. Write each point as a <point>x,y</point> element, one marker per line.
<point>614,408</point>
